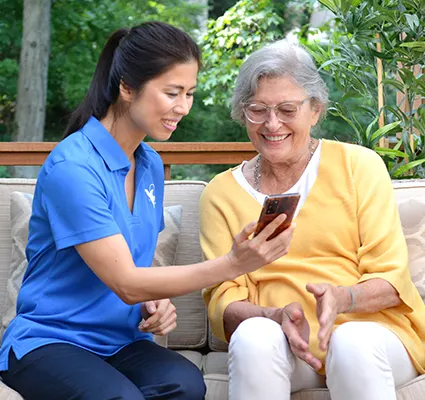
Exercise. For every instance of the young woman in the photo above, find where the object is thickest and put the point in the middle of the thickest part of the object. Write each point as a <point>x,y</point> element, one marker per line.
<point>94,228</point>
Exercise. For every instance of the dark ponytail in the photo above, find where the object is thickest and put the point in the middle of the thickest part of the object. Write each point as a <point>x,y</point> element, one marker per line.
<point>134,56</point>
<point>99,96</point>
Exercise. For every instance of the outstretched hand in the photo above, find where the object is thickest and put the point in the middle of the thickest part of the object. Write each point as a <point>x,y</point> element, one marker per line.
<point>326,310</point>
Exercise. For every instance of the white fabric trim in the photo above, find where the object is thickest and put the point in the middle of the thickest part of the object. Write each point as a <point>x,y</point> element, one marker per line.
<point>302,186</point>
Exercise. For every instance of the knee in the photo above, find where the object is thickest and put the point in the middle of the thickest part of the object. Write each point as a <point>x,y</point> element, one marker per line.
<point>257,337</point>
<point>352,344</point>
<point>190,381</point>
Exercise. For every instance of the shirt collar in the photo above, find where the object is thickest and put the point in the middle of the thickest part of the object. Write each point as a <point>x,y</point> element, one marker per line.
<point>106,145</point>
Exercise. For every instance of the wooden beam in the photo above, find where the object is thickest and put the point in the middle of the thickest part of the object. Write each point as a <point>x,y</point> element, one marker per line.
<point>172,153</point>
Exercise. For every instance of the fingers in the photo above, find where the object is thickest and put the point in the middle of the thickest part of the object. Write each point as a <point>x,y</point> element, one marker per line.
<point>164,328</point>
<point>308,357</point>
<point>246,232</point>
<point>271,227</point>
<point>326,322</point>
<point>317,289</point>
<point>163,321</point>
<point>292,330</point>
<point>147,309</point>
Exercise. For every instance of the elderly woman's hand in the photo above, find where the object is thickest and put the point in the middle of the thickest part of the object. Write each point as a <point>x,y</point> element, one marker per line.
<point>297,330</point>
<point>328,304</point>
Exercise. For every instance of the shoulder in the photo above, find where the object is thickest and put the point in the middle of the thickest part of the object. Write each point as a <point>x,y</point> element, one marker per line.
<point>76,148</point>
<point>355,156</point>
<point>68,176</point>
<point>220,186</point>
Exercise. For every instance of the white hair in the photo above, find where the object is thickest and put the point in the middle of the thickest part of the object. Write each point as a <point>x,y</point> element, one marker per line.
<point>279,59</point>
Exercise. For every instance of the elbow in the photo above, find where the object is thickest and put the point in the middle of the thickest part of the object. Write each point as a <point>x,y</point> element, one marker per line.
<point>131,296</point>
<point>127,297</point>
<point>129,293</point>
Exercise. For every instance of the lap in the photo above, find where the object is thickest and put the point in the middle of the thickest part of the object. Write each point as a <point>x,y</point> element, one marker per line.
<point>364,342</point>
<point>154,369</point>
<point>63,371</point>
<point>141,370</point>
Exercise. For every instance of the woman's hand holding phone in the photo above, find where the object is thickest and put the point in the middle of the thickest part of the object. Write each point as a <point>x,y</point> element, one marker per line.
<point>248,255</point>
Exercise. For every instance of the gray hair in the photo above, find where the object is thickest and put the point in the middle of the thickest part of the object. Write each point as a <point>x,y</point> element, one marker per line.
<point>281,58</point>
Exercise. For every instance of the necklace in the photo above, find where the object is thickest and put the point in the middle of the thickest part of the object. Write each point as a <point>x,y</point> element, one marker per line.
<point>257,166</point>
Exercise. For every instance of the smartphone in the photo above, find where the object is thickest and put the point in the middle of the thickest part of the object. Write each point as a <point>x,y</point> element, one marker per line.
<point>275,205</point>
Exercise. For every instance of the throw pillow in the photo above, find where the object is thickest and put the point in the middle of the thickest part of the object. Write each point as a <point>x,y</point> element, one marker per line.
<point>20,212</point>
<point>168,240</point>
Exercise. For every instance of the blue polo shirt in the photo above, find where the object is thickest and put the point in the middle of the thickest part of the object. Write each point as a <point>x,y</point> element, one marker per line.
<point>80,197</point>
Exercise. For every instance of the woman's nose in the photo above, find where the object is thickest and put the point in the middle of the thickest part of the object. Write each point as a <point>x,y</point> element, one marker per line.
<point>183,107</point>
<point>272,123</point>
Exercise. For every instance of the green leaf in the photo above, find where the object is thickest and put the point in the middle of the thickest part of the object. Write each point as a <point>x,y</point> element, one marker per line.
<point>330,4</point>
<point>383,151</point>
<point>412,21</point>
<point>384,130</point>
<point>369,128</point>
<point>415,45</point>
<point>403,169</point>
<point>332,61</point>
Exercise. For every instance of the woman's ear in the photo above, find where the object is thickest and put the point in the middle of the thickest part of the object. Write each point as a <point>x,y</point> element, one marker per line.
<point>317,111</point>
<point>126,92</point>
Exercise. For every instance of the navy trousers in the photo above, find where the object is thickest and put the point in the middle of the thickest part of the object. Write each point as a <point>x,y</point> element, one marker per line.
<point>141,370</point>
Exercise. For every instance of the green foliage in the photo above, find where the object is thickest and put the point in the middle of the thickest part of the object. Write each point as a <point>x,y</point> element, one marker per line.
<point>79,30</point>
<point>351,59</point>
<point>230,39</point>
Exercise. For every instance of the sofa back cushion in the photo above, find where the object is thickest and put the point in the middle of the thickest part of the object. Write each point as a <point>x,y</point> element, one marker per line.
<point>192,329</point>
<point>410,196</point>
<point>7,186</point>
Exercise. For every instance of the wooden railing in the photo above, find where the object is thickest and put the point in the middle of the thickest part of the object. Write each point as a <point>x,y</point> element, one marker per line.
<point>172,153</point>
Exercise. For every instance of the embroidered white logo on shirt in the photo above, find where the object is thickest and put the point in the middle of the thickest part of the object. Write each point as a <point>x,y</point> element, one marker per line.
<point>150,193</point>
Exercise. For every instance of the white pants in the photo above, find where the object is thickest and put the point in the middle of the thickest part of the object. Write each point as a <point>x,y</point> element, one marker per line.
<point>365,361</point>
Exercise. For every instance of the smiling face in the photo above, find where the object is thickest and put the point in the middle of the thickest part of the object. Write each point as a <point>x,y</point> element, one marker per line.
<point>163,101</point>
<point>277,141</point>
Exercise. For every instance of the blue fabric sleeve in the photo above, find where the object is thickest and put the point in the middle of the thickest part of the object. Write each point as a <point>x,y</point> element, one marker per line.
<point>75,201</point>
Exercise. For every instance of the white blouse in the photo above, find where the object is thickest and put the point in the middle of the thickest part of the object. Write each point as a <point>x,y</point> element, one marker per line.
<point>302,186</point>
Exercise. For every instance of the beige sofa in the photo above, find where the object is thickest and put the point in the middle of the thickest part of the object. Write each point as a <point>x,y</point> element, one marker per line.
<point>192,337</point>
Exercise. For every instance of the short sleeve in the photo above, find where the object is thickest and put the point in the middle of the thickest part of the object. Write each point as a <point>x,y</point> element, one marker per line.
<point>76,203</point>
<point>383,250</point>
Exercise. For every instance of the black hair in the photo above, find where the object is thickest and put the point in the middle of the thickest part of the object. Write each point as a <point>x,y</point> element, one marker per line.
<point>133,56</point>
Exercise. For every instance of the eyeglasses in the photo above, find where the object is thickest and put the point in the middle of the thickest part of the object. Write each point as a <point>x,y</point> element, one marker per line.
<point>258,113</point>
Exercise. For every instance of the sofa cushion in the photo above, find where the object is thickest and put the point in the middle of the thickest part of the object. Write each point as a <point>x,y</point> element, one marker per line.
<point>193,356</point>
<point>216,363</point>
<point>7,186</point>
<point>20,212</point>
<point>191,331</point>
<point>410,197</point>
<point>168,239</point>
<point>217,387</point>
<point>6,393</point>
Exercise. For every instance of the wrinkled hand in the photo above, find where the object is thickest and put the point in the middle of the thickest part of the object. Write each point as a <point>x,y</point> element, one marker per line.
<point>159,317</point>
<point>247,254</point>
<point>297,330</point>
<point>326,310</point>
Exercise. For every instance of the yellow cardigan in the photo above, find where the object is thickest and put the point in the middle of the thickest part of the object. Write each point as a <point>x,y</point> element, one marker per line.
<point>348,231</point>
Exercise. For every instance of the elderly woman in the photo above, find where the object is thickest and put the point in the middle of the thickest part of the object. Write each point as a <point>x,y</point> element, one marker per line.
<point>339,310</point>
